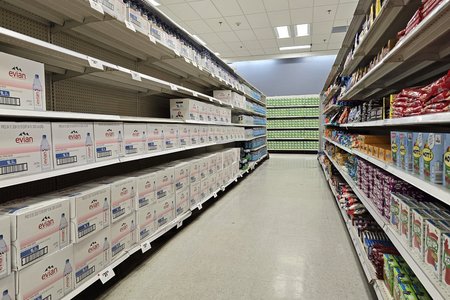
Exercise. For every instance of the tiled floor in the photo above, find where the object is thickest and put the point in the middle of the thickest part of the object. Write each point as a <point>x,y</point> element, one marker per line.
<point>275,235</point>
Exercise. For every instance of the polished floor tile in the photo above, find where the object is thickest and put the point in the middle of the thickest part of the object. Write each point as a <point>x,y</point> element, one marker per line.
<point>275,235</point>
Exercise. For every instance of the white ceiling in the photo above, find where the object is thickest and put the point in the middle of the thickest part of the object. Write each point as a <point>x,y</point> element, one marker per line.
<point>254,37</point>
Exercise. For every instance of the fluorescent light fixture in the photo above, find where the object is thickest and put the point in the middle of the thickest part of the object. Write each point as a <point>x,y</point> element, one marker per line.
<point>199,39</point>
<point>302,30</point>
<point>295,47</point>
<point>282,32</point>
<point>153,2</point>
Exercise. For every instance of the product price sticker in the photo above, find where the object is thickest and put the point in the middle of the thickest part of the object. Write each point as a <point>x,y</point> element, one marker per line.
<point>179,224</point>
<point>106,275</point>
<point>187,60</point>
<point>136,76</point>
<point>130,26</point>
<point>152,38</point>
<point>195,94</point>
<point>145,246</point>
<point>173,87</point>
<point>199,206</point>
<point>94,63</point>
<point>96,6</point>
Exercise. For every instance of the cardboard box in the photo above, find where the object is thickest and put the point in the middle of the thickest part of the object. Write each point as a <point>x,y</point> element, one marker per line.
<point>446,179</point>
<point>8,287</point>
<point>146,188</point>
<point>445,272</point>
<point>417,153</point>
<point>184,135</point>
<point>171,137</point>
<point>194,171</point>
<point>165,181</point>
<point>147,222</point>
<point>212,137</point>
<point>108,140</point>
<point>395,145</point>
<point>115,8</point>
<point>204,131</point>
<point>224,95</point>
<point>25,148</point>
<point>181,174</point>
<point>165,210</point>
<point>394,218</point>
<point>5,246</point>
<point>50,278</point>
<point>123,196</point>
<point>435,229</point>
<point>181,201</point>
<point>135,138</point>
<point>139,22</point>
<point>155,137</point>
<point>185,109</point>
<point>39,227</point>
<point>418,219</point>
<point>433,157</point>
<point>92,255</point>
<point>123,236</point>
<point>90,209</point>
<point>195,135</point>
<point>194,193</point>
<point>204,170</point>
<point>406,206</point>
<point>22,83</point>
<point>406,150</point>
<point>204,189</point>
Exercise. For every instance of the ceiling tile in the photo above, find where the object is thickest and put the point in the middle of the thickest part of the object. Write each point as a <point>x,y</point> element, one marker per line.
<point>275,5</point>
<point>272,43</point>
<point>324,13</point>
<point>302,40</point>
<point>346,10</point>
<point>258,20</point>
<point>235,46</point>
<point>318,47</point>
<point>325,2</point>
<point>183,11</point>
<point>318,38</point>
<point>210,38</point>
<point>334,46</point>
<point>264,33</point>
<point>252,6</point>
<point>228,8</point>
<point>285,42</point>
<point>321,27</point>
<point>219,47</point>
<point>198,26</point>
<point>234,20</point>
<point>228,36</point>
<point>301,16</point>
<point>245,35</point>
<point>300,3</point>
<point>257,52</point>
<point>337,37</point>
<point>216,26</point>
<point>343,22</point>
<point>279,18</point>
<point>251,45</point>
<point>206,9</point>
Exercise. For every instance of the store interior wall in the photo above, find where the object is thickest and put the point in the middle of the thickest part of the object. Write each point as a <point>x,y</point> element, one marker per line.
<point>289,76</point>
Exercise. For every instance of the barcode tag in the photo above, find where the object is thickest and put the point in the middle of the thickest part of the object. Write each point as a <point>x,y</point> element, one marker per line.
<point>194,94</point>
<point>187,60</point>
<point>106,275</point>
<point>145,246</point>
<point>152,38</point>
<point>136,76</point>
<point>179,224</point>
<point>95,63</point>
<point>173,87</point>
<point>97,6</point>
<point>199,206</point>
<point>130,25</point>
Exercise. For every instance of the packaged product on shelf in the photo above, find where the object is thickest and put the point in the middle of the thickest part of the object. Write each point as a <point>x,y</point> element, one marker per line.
<point>194,170</point>
<point>135,138</point>
<point>165,210</point>
<point>25,149</point>
<point>50,278</point>
<point>184,135</point>
<point>146,220</point>
<point>406,206</point>
<point>446,179</point>
<point>419,218</point>
<point>212,137</point>
<point>5,246</point>
<point>224,95</point>
<point>417,153</point>
<point>406,155</point>
<point>204,170</point>
<point>388,271</point>
<point>433,156</point>
<point>146,188</point>
<point>195,135</point>
<point>90,209</point>
<point>181,174</point>
<point>181,201</point>
<point>204,131</point>
<point>123,195</point>
<point>73,144</point>
<point>445,273</point>
<point>135,17</point>
<point>394,218</point>
<point>204,113</point>
<point>155,137</point>
<point>165,178</point>
<point>115,8</point>
<point>194,193</point>
<point>435,229</point>
<point>185,109</point>
<point>108,140</point>
<point>39,227</point>
<point>171,137</point>
<point>92,255</point>
<point>123,236</point>
<point>204,188</point>
<point>395,139</point>
<point>8,287</point>
<point>22,83</point>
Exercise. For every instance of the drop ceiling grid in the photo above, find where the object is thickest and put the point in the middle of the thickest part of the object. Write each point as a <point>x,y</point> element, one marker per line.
<point>255,34</point>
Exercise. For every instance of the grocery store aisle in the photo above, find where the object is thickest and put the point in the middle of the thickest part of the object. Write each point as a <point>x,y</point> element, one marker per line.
<point>276,235</point>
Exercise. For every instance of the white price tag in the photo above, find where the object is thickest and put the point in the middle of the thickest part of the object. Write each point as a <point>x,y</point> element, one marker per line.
<point>130,25</point>
<point>199,206</point>
<point>97,6</point>
<point>232,106</point>
<point>187,60</point>
<point>106,275</point>
<point>220,102</point>
<point>177,53</point>
<point>145,246</point>
<point>194,63</point>
<point>200,67</point>
<point>136,76</point>
<point>213,76</point>
<point>179,224</point>
<point>95,63</point>
<point>173,87</point>
<point>194,94</point>
<point>215,195</point>
<point>152,38</point>
<point>211,99</point>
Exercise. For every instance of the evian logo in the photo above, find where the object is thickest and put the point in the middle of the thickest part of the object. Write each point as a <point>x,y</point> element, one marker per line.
<point>93,247</point>
<point>17,73</point>
<point>109,133</point>
<point>94,204</point>
<point>46,222</point>
<point>123,227</point>
<point>165,179</point>
<point>49,272</point>
<point>149,216</point>
<point>74,135</point>
<point>166,205</point>
<point>24,138</point>
<point>148,184</point>
<point>135,133</point>
<point>124,191</point>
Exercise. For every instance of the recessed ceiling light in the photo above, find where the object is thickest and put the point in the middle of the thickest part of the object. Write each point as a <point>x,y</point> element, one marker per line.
<point>199,39</point>
<point>282,32</point>
<point>295,47</point>
<point>302,30</point>
<point>153,2</point>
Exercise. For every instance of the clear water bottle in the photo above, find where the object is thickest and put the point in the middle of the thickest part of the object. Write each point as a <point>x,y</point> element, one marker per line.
<point>68,280</point>
<point>6,295</point>
<point>3,256</point>
<point>106,250</point>
<point>105,212</point>
<point>63,231</point>
<point>45,154</point>
<point>37,93</point>
<point>120,142</point>
<point>133,231</point>
<point>144,140</point>
<point>89,148</point>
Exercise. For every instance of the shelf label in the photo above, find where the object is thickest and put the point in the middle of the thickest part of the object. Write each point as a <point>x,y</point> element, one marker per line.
<point>179,224</point>
<point>232,106</point>
<point>177,53</point>
<point>136,76</point>
<point>215,195</point>
<point>194,94</point>
<point>220,102</point>
<point>173,87</point>
<point>187,60</point>
<point>211,99</point>
<point>96,6</point>
<point>145,246</point>
<point>95,63</point>
<point>106,275</point>
<point>194,63</point>
<point>200,67</point>
<point>213,76</point>
<point>130,25</point>
<point>152,38</point>
<point>199,206</point>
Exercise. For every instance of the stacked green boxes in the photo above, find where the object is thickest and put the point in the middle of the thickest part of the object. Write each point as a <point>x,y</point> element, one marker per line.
<point>293,100</point>
<point>293,134</point>
<point>293,112</point>
<point>293,145</point>
<point>292,123</point>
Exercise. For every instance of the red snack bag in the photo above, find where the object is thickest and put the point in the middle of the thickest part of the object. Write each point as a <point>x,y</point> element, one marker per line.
<point>442,97</point>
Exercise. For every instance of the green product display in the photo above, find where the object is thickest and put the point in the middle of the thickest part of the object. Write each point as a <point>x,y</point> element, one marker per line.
<point>288,101</point>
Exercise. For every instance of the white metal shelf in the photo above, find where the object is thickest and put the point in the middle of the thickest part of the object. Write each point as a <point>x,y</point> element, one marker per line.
<point>255,137</point>
<point>252,165</point>
<point>430,119</point>
<point>433,285</point>
<point>292,106</point>
<point>331,94</point>
<point>437,191</point>
<point>331,108</point>
<point>255,149</point>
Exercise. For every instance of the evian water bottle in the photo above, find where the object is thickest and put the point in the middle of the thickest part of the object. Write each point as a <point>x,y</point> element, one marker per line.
<point>105,212</point>
<point>68,281</point>
<point>89,148</point>
<point>3,255</point>
<point>37,93</point>
<point>63,231</point>
<point>106,250</point>
<point>45,154</point>
<point>120,141</point>
<point>6,295</point>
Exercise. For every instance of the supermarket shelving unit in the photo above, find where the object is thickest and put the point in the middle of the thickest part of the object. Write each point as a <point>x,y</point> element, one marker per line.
<point>418,58</point>
<point>99,69</point>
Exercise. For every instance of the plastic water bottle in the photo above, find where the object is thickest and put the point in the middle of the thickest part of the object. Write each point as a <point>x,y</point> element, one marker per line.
<point>37,93</point>
<point>133,228</point>
<point>45,154</point>
<point>144,140</point>
<point>105,212</point>
<point>106,250</point>
<point>68,281</point>
<point>63,231</point>
<point>3,256</point>
<point>120,141</point>
<point>89,148</point>
<point>6,295</point>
